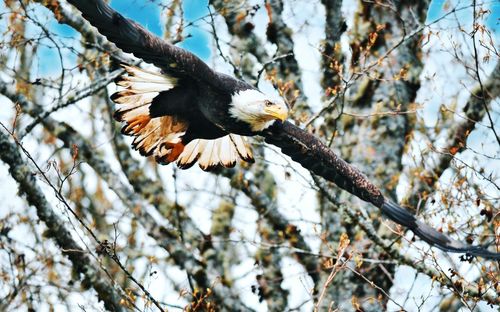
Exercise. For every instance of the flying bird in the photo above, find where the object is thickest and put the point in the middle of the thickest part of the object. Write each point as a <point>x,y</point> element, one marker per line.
<point>183,111</point>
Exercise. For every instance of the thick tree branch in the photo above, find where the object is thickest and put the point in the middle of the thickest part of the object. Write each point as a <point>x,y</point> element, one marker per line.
<point>19,170</point>
<point>334,28</point>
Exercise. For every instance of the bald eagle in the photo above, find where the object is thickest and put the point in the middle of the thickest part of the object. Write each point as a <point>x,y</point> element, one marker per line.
<point>185,112</point>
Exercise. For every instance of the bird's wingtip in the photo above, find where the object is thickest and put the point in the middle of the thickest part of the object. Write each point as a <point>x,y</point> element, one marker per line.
<point>432,236</point>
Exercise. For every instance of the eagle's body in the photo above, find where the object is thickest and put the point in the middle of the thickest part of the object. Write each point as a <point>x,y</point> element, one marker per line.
<point>183,119</point>
<point>204,106</point>
<point>183,111</point>
<point>215,103</point>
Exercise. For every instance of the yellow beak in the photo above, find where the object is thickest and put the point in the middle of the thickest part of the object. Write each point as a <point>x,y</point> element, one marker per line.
<point>277,112</point>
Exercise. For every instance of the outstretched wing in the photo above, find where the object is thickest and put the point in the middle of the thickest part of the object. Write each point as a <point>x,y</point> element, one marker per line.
<point>315,156</point>
<point>133,38</point>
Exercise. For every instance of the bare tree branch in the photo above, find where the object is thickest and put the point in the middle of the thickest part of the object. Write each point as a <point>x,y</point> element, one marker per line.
<point>20,171</point>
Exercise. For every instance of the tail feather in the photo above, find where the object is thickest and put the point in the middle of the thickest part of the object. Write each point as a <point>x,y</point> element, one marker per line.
<point>242,147</point>
<point>401,216</point>
<point>224,151</point>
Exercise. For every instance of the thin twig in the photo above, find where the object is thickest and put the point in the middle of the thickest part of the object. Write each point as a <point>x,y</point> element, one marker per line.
<point>476,63</point>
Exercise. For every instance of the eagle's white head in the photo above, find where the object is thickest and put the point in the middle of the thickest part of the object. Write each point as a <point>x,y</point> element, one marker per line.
<point>257,109</point>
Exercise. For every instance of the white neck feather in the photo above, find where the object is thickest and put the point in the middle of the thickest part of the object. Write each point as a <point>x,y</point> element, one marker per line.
<point>246,106</point>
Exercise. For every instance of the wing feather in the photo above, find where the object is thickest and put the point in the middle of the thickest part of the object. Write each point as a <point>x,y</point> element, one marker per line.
<point>133,38</point>
<point>141,87</point>
<point>312,154</point>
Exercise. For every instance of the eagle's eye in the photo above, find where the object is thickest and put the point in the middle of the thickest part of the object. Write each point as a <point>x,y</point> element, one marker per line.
<point>268,103</point>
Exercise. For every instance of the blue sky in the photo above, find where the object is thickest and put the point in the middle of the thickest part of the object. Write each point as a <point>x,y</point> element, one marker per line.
<point>438,8</point>
<point>148,15</point>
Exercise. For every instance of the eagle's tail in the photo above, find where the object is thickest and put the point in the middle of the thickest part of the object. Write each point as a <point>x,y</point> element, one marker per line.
<point>402,216</point>
<point>224,151</point>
